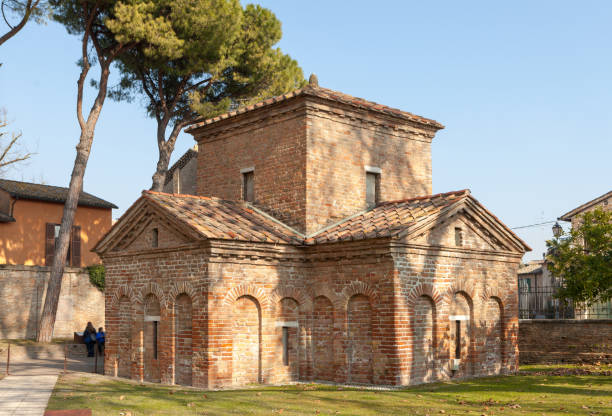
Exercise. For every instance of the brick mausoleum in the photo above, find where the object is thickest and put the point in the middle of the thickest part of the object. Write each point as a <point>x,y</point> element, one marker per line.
<point>315,251</point>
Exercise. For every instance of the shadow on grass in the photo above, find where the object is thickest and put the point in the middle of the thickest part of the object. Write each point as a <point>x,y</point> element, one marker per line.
<point>111,396</point>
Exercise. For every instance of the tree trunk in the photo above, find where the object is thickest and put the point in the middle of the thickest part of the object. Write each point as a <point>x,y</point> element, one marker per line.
<point>166,147</point>
<point>47,322</point>
<point>159,177</point>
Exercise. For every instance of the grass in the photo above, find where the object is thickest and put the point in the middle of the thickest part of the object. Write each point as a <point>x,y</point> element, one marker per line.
<point>534,392</point>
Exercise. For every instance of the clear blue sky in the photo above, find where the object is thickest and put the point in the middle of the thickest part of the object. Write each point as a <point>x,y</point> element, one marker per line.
<point>523,88</point>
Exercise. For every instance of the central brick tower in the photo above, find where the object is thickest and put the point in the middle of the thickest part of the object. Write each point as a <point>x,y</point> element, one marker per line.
<point>314,156</point>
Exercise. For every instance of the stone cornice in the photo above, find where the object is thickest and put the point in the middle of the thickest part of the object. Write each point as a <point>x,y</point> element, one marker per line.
<point>307,105</point>
<point>151,253</point>
<point>377,250</point>
<point>401,248</point>
<point>373,121</point>
<point>259,117</point>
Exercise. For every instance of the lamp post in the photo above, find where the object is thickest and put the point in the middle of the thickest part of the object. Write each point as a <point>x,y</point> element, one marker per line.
<point>557,230</point>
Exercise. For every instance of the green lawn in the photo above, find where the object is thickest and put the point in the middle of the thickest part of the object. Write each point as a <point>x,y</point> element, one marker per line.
<point>536,391</point>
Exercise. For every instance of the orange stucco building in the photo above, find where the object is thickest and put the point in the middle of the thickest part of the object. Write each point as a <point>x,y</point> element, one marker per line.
<point>30,215</point>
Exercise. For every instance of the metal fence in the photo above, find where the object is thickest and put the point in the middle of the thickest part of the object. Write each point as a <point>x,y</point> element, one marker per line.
<point>541,303</point>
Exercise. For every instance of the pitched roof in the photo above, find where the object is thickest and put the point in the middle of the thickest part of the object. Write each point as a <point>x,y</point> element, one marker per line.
<point>533,267</point>
<point>327,94</point>
<point>216,218</point>
<point>388,219</point>
<point>38,192</point>
<point>179,164</point>
<point>568,216</point>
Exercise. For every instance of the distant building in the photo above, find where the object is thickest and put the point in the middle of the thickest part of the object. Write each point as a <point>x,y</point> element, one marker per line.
<point>181,177</point>
<point>599,310</point>
<point>30,217</point>
<point>573,216</point>
<point>536,288</point>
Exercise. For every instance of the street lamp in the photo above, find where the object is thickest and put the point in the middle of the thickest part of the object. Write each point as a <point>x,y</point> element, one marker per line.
<point>557,230</point>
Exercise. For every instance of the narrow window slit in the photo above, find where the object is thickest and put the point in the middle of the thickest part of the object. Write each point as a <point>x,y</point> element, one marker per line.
<point>457,339</point>
<point>372,189</point>
<point>155,238</point>
<point>248,183</point>
<point>285,345</point>
<point>458,237</point>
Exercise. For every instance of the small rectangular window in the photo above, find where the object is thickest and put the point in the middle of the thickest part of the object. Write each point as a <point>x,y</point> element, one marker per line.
<point>248,191</point>
<point>155,339</point>
<point>458,237</point>
<point>285,345</point>
<point>457,339</point>
<point>155,238</point>
<point>372,188</point>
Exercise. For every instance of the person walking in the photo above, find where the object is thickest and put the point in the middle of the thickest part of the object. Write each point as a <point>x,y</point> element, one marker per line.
<point>89,338</point>
<point>100,339</point>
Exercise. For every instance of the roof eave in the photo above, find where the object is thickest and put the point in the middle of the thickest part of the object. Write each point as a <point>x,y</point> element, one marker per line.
<point>315,92</point>
<point>569,215</point>
<point>14,195</point>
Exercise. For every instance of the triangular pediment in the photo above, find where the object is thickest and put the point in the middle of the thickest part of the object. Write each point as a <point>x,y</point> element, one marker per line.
<point>479,230</point>
<point>186,219</point>
<point>134,231</point>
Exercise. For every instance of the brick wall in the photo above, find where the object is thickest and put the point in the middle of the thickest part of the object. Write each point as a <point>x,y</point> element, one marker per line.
<point>473,284</point>
<point>374,311</point>
<point>177,282</point>
<point>22,294</point>
<point>274,147</point>
<point>342,142</point>
<point>565,341</point>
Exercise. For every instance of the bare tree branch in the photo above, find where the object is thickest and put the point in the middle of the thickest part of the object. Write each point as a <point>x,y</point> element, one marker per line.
<point>9,155</point>
<point>30,6</point>
<point>197,84</point>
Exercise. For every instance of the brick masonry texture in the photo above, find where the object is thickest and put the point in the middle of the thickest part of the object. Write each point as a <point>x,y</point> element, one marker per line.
<point>23,291</point>
<point>354,141</point>
<point>374,312</point>
<point>291,149</point>
<point>565,341</point>
<point>389,298</point>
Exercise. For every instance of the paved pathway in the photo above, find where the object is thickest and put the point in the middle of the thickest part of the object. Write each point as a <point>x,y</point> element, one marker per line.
<point>25,395</point>
<point>33,374</point>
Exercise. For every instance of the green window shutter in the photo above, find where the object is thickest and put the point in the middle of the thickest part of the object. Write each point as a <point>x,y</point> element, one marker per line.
<point>49,244</point>
<point>75,249</point>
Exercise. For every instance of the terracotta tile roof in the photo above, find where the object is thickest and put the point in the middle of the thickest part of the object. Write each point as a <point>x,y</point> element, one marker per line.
<point>38,192</point>
<point>533,267</point>
<point>316,91</point>
<point>388,219</point>
<point>216,218</point>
